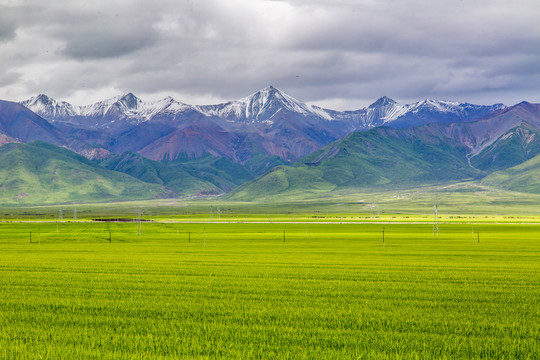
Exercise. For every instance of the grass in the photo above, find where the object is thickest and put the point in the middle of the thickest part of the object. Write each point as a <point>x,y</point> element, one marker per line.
<point>239,291</point>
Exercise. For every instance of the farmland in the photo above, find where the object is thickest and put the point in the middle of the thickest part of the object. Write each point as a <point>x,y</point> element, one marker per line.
<point>202,289</point>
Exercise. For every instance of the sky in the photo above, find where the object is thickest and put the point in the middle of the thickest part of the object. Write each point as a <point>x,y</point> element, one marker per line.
<point>339,54</point>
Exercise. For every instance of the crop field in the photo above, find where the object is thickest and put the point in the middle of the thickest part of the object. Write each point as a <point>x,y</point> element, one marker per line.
<point>269,290</point>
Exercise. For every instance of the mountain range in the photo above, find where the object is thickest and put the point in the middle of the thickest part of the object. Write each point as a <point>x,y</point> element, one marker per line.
<point>270,144</point>
<point>268,122</point>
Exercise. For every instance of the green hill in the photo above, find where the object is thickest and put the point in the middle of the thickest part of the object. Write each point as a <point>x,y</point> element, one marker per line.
<point>512,148</point>
<point>381,158</point>
<point>220,171</point>
<point>524,177</point>
<point>173,176</point>
<point>40,173</point>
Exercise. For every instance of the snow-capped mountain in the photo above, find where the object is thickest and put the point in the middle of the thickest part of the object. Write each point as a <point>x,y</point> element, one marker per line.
<point>440,112</point>
<point>268,122</point>
<point>386,111</point>
<point>262,106</point>
<point>382,111</point>
<point>131,107</point>
<point>103,113</point>
<point>121,106</point>
<point>49,108</point>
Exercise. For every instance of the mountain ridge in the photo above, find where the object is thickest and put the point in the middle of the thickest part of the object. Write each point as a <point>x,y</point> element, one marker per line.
<point>258,107</point>
<point>268,122</point>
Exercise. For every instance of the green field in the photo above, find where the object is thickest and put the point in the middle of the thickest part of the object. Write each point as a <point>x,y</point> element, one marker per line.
<point>238,290</point>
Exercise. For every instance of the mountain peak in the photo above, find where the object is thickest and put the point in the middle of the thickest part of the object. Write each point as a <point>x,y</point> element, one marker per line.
<point>130,101</point>
<point>129,96</point>
<point>383,101</point>
<point>42,97</point>
<point>268,93</point>
<point>267,102</point>
<point>263,106</point>
<point>46,106</point>
<point>270,88</point>
<point>525,106</point>
<point>39,99</point>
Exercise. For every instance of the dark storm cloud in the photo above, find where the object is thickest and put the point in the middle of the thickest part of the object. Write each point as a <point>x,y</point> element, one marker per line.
<point>342,52</point>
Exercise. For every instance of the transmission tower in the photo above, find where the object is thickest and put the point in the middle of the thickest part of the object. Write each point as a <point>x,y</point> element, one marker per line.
<point>436,220</point>
<point>139,222</point>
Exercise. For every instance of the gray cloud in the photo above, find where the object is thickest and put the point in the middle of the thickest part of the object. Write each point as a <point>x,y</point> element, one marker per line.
<point>7,24</point>
<point>340,52</point>
<point>91,43</point>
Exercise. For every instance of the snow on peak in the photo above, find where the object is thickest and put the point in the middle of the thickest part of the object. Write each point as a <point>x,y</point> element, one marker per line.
<point>384,110</point>
<point>383,101</point>
<point>437,105</point>
<point>46,106</point>
<point>123,105</point>
<point>126,106</point>
<point>166,106</point>
<point>261,106</point>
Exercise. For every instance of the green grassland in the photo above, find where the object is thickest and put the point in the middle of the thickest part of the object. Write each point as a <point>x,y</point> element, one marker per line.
<point>240,290</point>
<point>460,202</point>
